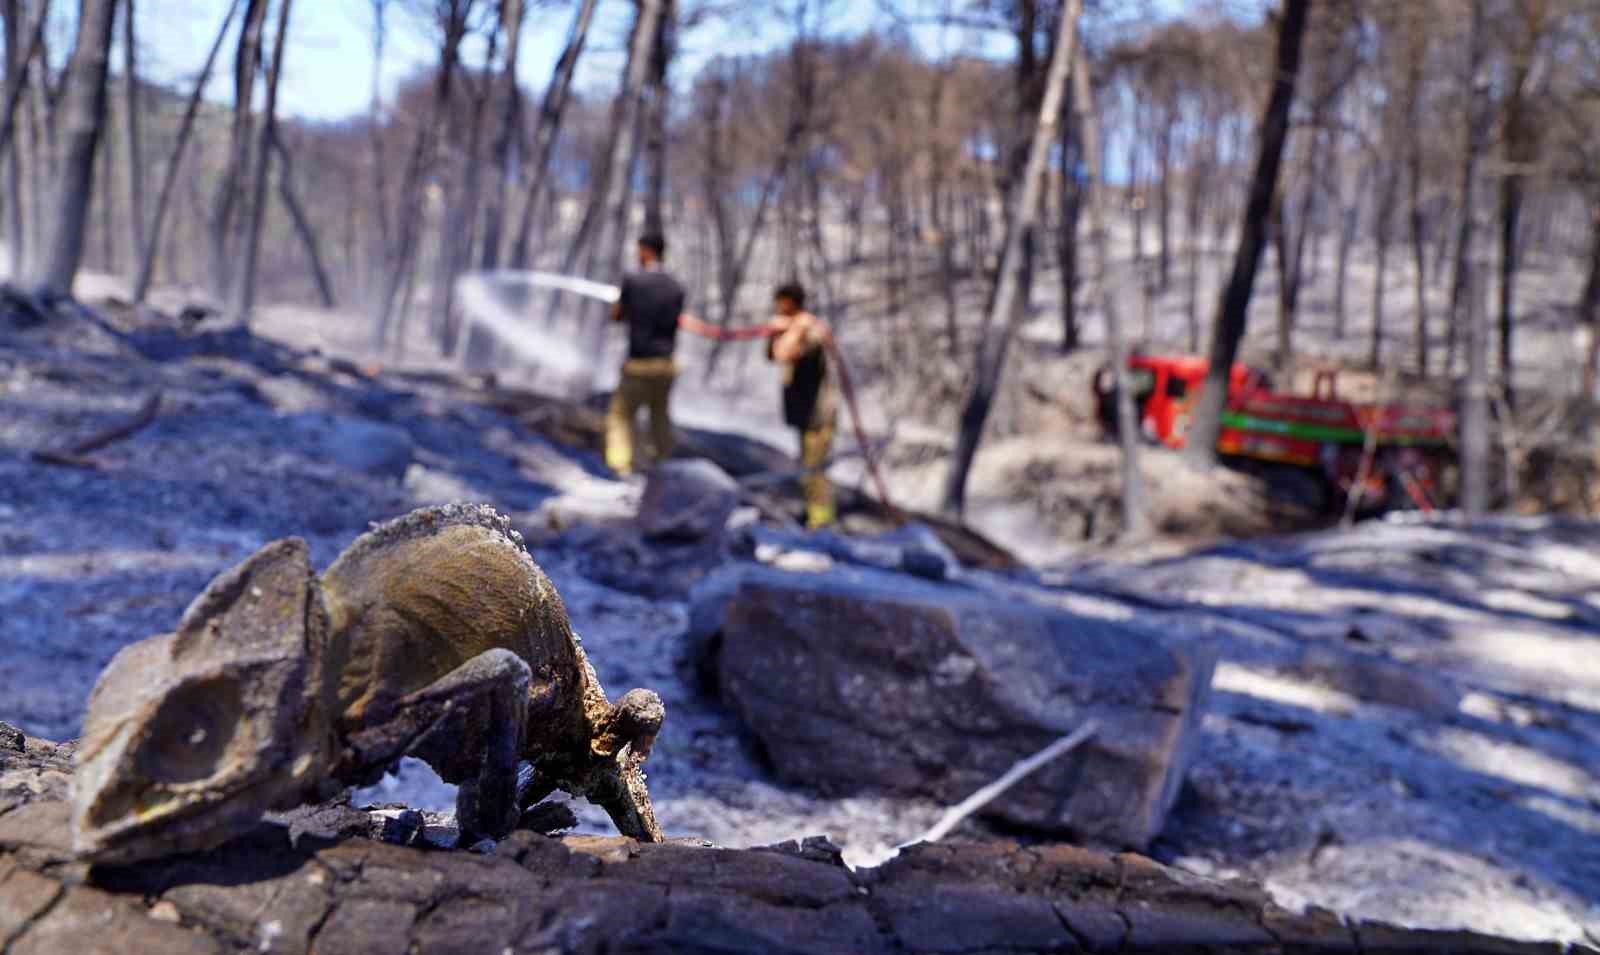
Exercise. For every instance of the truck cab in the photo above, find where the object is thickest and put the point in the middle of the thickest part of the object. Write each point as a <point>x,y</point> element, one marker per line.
<point>1164,388</point>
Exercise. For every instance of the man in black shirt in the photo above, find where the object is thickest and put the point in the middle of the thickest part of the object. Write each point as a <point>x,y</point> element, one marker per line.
<point>650,304</point>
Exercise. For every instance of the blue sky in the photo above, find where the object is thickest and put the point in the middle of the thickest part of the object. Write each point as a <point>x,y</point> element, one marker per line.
<point>329,67</point>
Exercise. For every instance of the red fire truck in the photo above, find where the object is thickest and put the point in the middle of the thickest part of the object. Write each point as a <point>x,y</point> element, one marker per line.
<point>1400,456</point>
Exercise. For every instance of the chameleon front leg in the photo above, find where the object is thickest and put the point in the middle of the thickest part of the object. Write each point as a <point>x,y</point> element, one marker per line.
<point>468,725</point>
<point>622,744</point>
<point>619,789</point>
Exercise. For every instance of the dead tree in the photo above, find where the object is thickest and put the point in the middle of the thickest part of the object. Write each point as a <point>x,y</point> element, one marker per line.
<point>1349,222</point>
<point>941,160</point>
<point>733,250</point>
<point>1201,447</point>
<point>380,158</point>
<point>43,143</point>
<point>615,162</point>
<point>617,188</point>
<point>245,300</point>
<point>135,141</point>
<point>104,199</point>
<point>302,224</point>
<point>1135,522</point>
<point>1589,302</point>
<point>235,173</point>
<point>508,145</point>
<point>1164,111</point>
<point>11,11</point>
<point>1520,144</point>
<point>1416,50</point>
<point>1203,164</point>
<point>1005,311</point>
<point>544,135</point>
<point>407,223</point>
<point>1474,422</point>
<point>1383,215</point>
<point>1073,155</point>
<point>147,257</point>
<point>1332,65</point>
<point>655,117</point>
<point>1289,237</point>
<point>23,46</point>
<point>83,112</point>
<point>461,217</point>
<point>1479,117</point>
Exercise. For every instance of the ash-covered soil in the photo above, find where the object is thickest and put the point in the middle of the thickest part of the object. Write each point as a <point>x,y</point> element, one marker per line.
<point>1405,725</point>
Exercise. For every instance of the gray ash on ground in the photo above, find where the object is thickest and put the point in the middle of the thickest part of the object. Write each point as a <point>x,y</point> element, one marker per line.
<point>1405,723</point>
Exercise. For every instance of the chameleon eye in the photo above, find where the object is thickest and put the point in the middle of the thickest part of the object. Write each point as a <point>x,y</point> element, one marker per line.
<point>191,731</point>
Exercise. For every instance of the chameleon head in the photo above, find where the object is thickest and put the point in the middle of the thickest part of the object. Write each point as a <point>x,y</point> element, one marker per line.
<point>633,721</point>
<point>190,736</point>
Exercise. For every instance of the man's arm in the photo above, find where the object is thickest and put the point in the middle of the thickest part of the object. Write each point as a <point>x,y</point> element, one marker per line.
<point>806,332</point>
<point>694,324</point>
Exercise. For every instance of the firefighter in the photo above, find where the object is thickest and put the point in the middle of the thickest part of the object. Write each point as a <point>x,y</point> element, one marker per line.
<point>650,304</point>
<point>799,343</point>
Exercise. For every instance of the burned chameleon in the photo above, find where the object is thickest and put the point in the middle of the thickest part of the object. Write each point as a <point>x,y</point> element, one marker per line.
<point>434,635</point>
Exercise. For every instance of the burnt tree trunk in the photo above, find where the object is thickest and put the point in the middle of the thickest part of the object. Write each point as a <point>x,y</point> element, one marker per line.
<point>135,141</point>
<point>461,217</point>
<point>545,133</point>
<point>83,116</point>
<point>379,251</point>
<point>409,205</point>
<point>246,298</point>
<point>43,151</point>
<point>22,49</point>
<point>616,200</point>
<point>103,198</point>
<point>1589,304</point>
<point>733,253</point>
<point>655,121</point>
<point>1072,157</point>
<point>1520,138</point>
<point>1470,285</point>
<point>1349,222</point>
<point>615,162</point>
<point>1135,522</point>
<point>1511,187</point>
<point>235,173</point>
<point>1202,163</point>
<point>1164,199</point>
<point>1232,310</point>
<point>1382,227</point>
<point>508,144</point>
<point>1005,312</point>
<point>1415,52</point>
<point>942,211</point>
<point>147,260</point>
<point>1291,234</point>
<point>302,224</point>
<point>1477,126</point>
<point>16,72</point>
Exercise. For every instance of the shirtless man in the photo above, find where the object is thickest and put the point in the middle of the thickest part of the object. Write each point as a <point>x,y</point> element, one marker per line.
<point>799,343</point>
